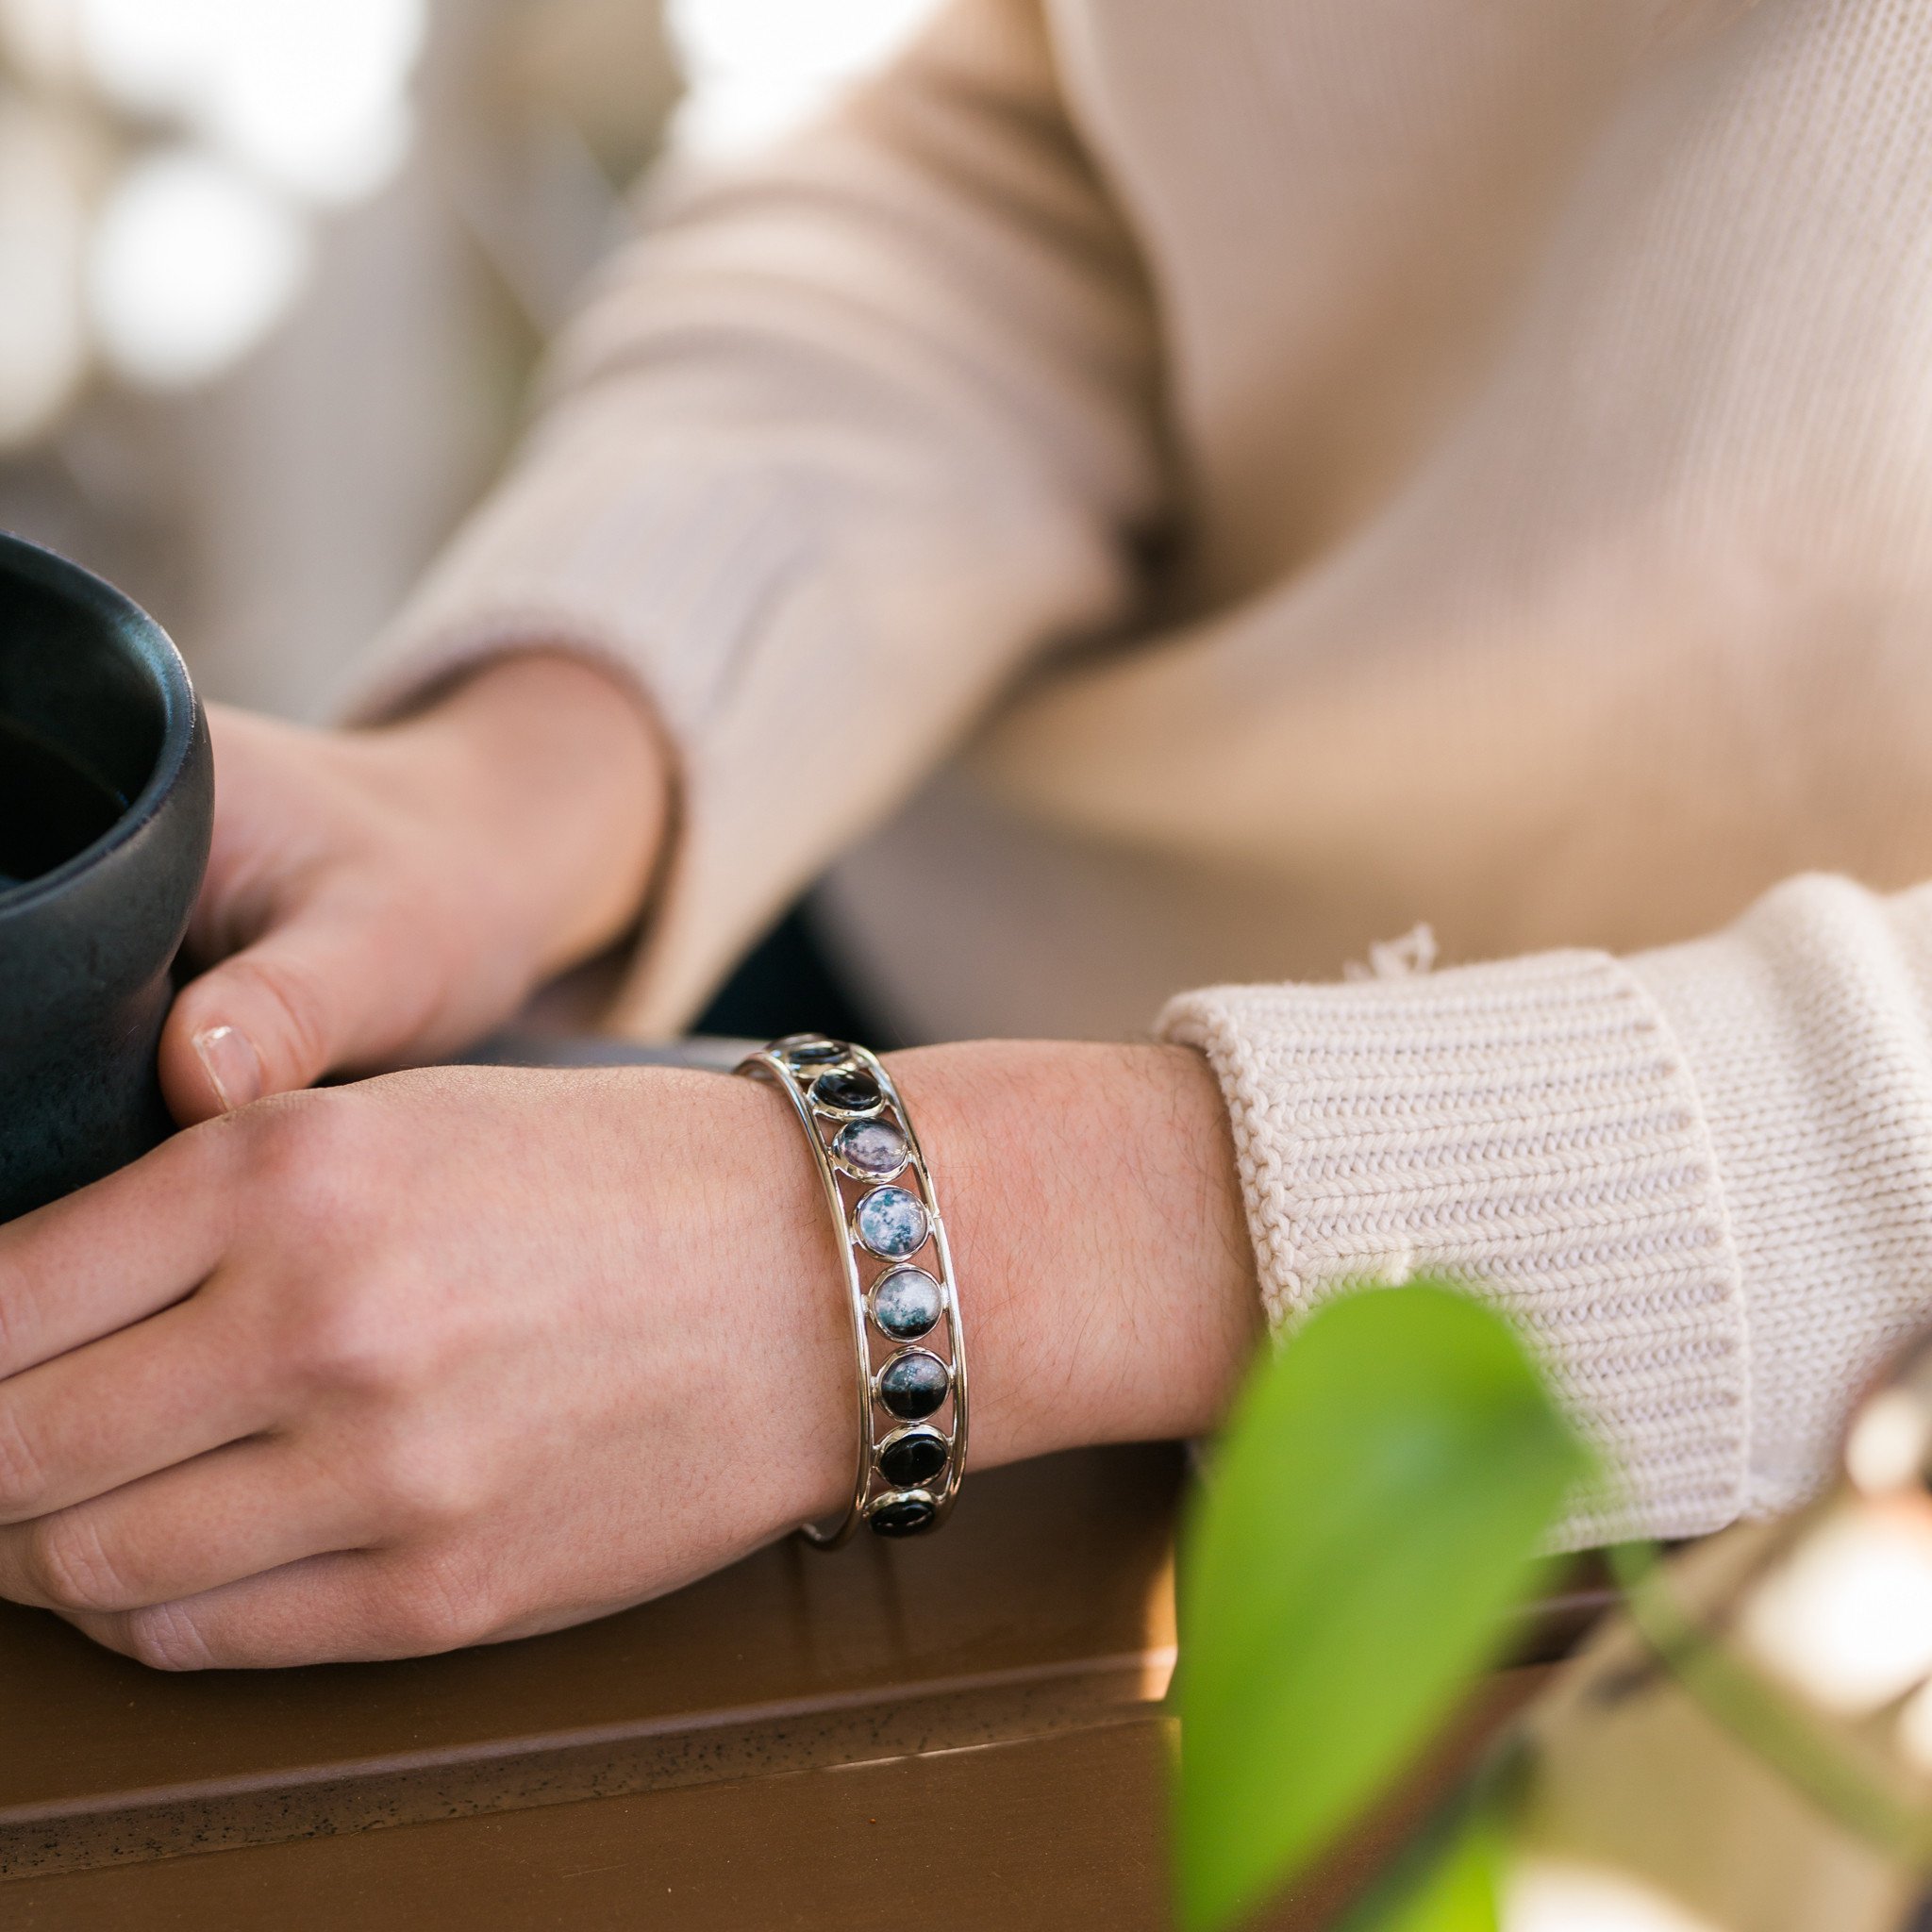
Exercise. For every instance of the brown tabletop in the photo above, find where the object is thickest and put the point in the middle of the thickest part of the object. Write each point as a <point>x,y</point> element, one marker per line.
<point>963,1731</point>
<point>1043,1610</point>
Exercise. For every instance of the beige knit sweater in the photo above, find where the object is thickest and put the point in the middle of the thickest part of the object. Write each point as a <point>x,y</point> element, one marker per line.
<point>1169,493</point>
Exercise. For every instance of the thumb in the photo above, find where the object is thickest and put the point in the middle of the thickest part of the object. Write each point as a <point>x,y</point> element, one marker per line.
<point>273,1018</point>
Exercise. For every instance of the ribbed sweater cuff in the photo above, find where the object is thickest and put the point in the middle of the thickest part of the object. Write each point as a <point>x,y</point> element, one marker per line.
<point>1805,1028</point>
<point>1528,1127</point>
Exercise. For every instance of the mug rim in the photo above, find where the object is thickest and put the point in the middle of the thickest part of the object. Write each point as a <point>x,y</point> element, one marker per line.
<point>22,557</point>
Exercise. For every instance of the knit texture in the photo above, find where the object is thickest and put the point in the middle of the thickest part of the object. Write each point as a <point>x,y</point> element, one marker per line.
<point>1162,495</point>
<point>1806,1033</point>
<point>1531,1129</point>
<point>1498,431</point>
<point>840,444</point>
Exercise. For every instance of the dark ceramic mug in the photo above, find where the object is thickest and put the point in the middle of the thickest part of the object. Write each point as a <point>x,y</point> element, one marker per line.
<point>107,801</point>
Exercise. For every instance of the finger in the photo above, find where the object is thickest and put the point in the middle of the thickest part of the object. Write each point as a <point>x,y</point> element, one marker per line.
<point>116,1252</point>
<point>358,1606</point>
<point>316,993</point>
<point>232,1514</point>
<point>144,1398</point>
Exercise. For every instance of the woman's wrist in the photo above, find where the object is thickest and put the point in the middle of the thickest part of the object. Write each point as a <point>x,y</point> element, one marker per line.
<point>1107,1281</point>
<point>562,775</point>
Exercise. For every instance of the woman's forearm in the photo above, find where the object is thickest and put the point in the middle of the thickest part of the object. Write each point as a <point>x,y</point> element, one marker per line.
<point>565,774</point>
<point>1105,1276</point>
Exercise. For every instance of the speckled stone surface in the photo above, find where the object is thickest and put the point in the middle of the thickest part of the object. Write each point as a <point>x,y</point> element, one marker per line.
<point>876,1148</point>
<point>912,1385</point>
<point>906,1302</point>
<point>891,1223</point>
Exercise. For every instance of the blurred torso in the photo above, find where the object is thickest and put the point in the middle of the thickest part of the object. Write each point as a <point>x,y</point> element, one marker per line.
<point>1551,388</point>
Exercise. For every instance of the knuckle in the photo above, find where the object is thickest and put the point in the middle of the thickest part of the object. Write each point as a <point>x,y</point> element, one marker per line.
<point>23,1481</point>
<point>334,1342</point>
<point>302,1155</point>
<point>349,1337</point>
<point>165,1637</point>
<point>419,1491</point>
<point>67,1566</point>
<point>307,1195</point>
<point>300,1003</point>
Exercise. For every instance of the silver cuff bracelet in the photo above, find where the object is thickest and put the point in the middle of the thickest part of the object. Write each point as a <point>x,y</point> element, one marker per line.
<point>911,1356</point>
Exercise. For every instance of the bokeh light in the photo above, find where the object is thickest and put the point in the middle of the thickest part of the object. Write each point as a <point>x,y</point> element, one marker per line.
<point>1545,1894</point>
<point>218,130</point>
<point>758,67</point>
<point>1847,1617</point>
<point>312,94</point>
<point>191,265</point>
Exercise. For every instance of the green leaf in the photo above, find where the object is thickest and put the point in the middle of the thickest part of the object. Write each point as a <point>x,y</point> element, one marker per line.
<point>1448,1877</point>
<point>1455,1893</point>
<point>1372,1516</point>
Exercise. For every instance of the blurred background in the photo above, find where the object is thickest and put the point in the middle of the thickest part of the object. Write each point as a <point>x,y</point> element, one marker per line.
<point>274,273</point>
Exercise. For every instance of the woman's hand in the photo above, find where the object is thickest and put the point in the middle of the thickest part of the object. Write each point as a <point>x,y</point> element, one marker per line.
<point>447,1356</point>
<point>380,896</point>
<point>459,1355</point>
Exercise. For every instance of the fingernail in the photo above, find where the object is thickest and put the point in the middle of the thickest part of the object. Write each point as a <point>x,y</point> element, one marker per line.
<point>234,1069</point>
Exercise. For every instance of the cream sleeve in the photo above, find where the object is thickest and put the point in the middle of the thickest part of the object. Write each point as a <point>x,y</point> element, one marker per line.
<point>1702,1177</point>
<point>845,438</point>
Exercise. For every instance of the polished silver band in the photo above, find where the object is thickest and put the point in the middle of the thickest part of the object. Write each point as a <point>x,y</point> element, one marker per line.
<point>911,1356</point>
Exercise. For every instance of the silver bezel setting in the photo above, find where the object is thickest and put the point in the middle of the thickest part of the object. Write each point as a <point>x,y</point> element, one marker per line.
<point>831,1110</point>
<point>919,1432</point>
<point>864,1268</point>
<point>876,1176</point>
<point>889,1497</point>
<point>901,1355</point>
<point>871,1302</point>
<point>894,1257</point>
<point>795,1048</point>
